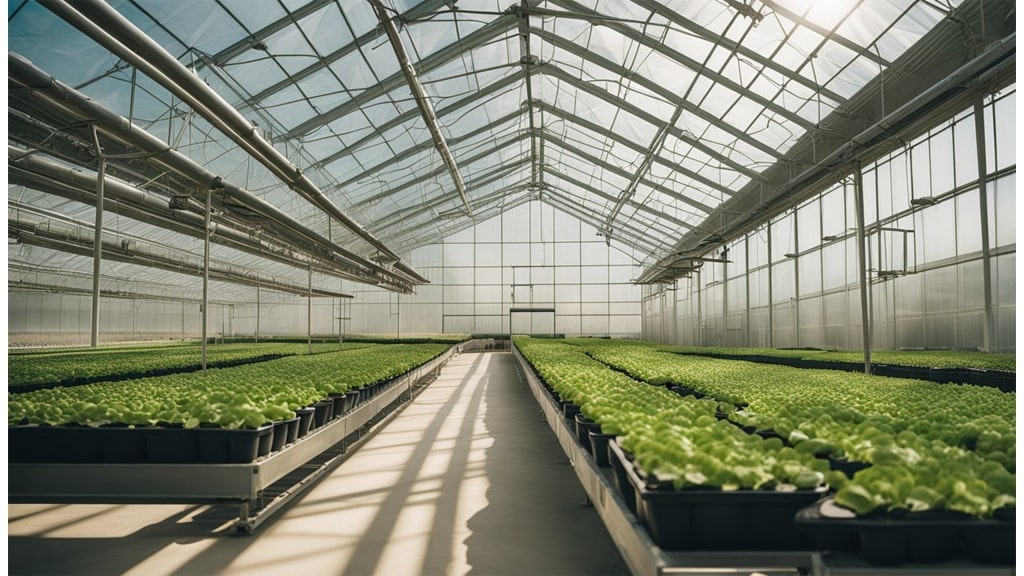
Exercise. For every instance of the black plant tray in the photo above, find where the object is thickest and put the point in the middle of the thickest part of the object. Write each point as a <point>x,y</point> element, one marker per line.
<point>911,538</point>
<point>148,444</point>
<point>1005,381</point>
<point>62,444</point>
<point>710,519</point>
<point>234,446</point>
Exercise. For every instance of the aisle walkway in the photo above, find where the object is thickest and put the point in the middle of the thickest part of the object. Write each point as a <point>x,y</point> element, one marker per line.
<point>467,480</point>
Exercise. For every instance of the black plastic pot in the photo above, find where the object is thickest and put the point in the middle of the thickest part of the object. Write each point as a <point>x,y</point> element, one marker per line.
<point>599,447</point>
<point>305,416</point>
<point>322,412</point>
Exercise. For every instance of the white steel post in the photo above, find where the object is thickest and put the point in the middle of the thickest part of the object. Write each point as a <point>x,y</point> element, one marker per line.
<point>862,267</point>
<point>97,243</point>
<point>988,335</point>
<point>206,272</point>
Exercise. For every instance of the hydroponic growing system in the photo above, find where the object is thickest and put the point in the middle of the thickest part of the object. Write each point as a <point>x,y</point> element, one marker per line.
<point>754,261</point>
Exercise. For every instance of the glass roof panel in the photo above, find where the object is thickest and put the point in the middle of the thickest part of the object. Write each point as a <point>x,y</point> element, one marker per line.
<point>360,17</point>
<point>908,30</point>
<point>255,72</point>
<point>251,19</point>
<point>289,106</point>
<point>851,79</point>
<point>56,46</point>
<point>177,46</point>
<point>427,37</point>
<point>473,116</point>
<point>713,16</point>
<point>745,80</point>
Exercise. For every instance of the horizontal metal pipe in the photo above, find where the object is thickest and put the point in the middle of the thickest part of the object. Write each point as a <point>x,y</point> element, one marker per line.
<point>77,239</point>
<point>124,39</point>
<point>59,94</point>
<point>68,182</point>
<point>423,102</point>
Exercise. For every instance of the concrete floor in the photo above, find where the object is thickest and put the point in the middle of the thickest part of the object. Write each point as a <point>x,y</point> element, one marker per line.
<point>468,479</point>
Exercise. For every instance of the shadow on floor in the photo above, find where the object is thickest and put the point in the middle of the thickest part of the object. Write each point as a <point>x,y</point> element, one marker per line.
<point>367,552</point>
<point>535,522</point>
<point>53,556</point>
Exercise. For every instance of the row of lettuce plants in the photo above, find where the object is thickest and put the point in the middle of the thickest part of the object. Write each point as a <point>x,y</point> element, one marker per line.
<point>946,359</point>
<point>672,438</point>
<point>931,445</point>
<point>245,396</point>
<point>68,366</point>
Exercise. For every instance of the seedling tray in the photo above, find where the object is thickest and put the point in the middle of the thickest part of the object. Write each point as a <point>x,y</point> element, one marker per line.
<point>911,538</point>
<point>710,519</point>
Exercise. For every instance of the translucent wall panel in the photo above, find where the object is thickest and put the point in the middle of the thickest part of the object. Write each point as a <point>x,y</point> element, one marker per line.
<point>784,325</point>
<point>925,269</point>
<point>811,322</point>
<point>783,282</point>
<point>1005,133</point>
<point>783,237</point>
<point>810,273</point>
<point>1002,208</point>
<point>49,318</point>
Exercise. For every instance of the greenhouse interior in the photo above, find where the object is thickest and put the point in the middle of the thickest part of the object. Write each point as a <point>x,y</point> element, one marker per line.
<point>522,287</point>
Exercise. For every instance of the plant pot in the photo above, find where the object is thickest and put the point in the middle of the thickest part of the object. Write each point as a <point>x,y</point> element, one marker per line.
<point>172,445</point>
<point>570,410</point>
<point>911,538</point>
<point>355,397</point>
<point>305,416</point>
<point>265,440</point>
<point>619,463</point>
<point>599,447</point>
<point>338,404</point>
<point>234,445</point>
<point>282,433</point>
<point>292,431</point>
<point>45,443</point>
<point>322,412</point>
<point>583,427</point>
<point>347,404</point>
<point>122,444</point>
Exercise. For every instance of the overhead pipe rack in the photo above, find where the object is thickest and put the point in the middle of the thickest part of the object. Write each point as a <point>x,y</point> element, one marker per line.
<point>76,104</point>
<point>102,23</point>
<point>77,238</point>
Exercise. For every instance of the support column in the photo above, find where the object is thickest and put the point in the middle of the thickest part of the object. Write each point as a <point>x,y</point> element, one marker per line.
<point>988,334</point>
<point>309,310</point>
<point>724,338</point>
<point>97,242</point>
<point>700,312</point>
<point>771,296</point>
<point>862,266</point>
<point>206,271</point>
<point>746,288</point>
<point>796,279</point>
<point>257,313</point>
